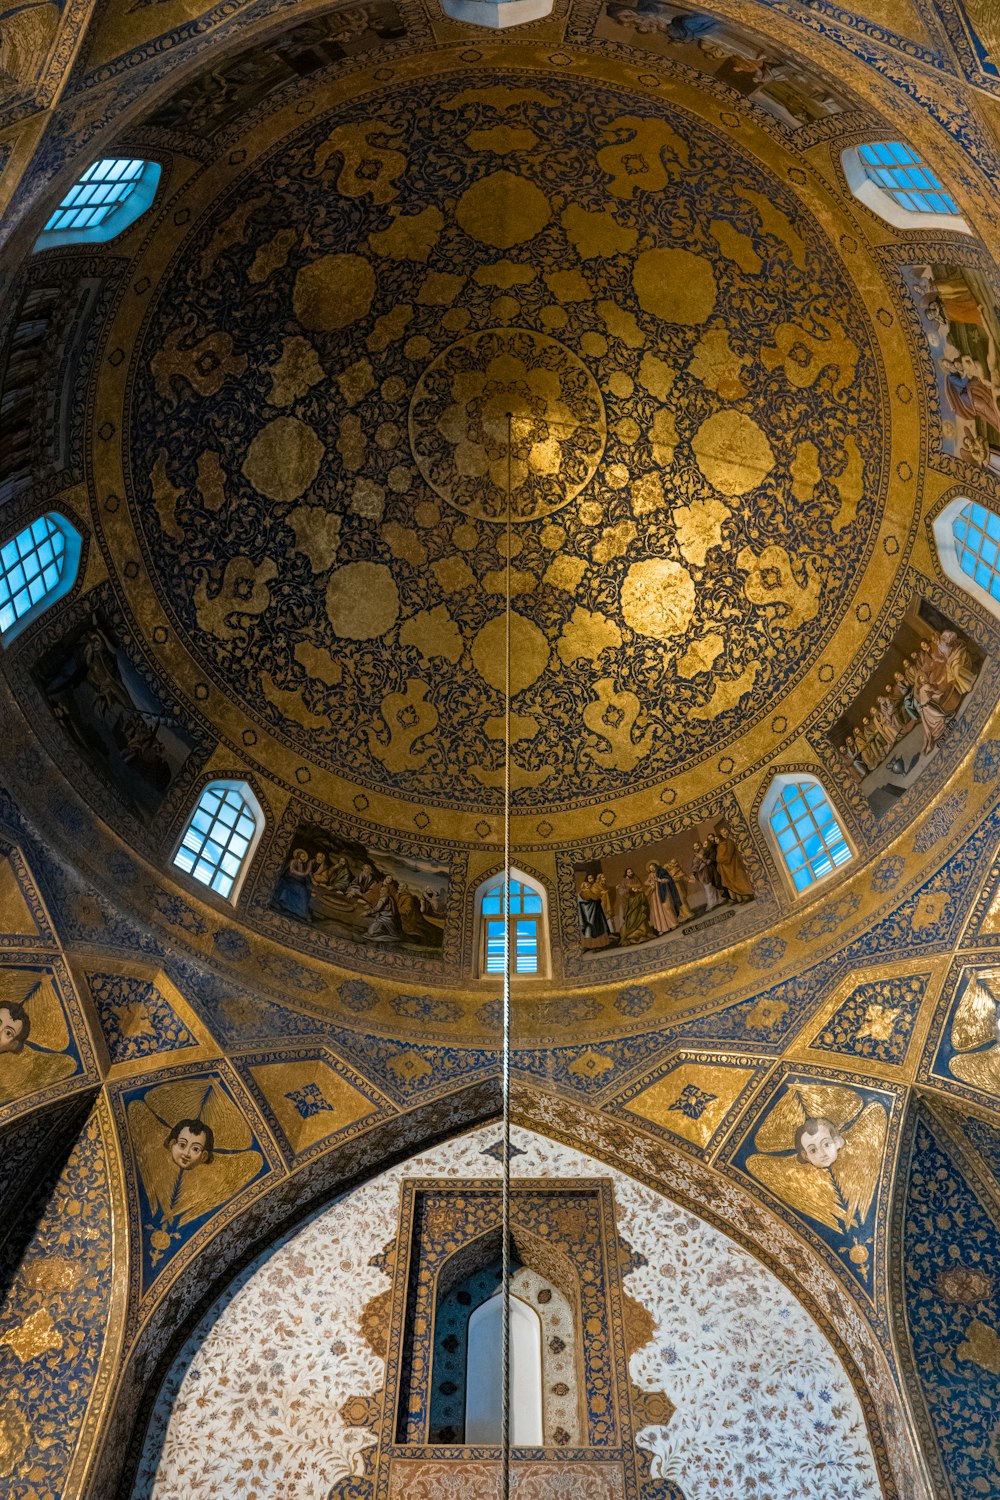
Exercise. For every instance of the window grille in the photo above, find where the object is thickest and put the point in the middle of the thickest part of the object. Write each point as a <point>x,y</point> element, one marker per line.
<point>899,171</point>
<point>809,838</point>
<point>111,195</point>
<point>524,915</point>
<point>220,836</point>
<point>37,567</point>
<point>977,546</point>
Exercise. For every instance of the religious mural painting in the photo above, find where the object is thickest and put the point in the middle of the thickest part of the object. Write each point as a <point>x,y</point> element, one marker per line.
<point>970,1048</point>
<point>113,714</point>
<point>665,891</point>
<point>750,67</point>
<point>216,98</point>
<point>958,314</point>
<point>898,719</point>
<point>342,888</point>
<point>820,1149</point>
<point>195,1151</point>
<point>36,1046</point>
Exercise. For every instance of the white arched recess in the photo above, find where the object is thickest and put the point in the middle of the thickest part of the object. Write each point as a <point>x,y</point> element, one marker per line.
<point>484,1385</point>
<point>265,1389</point>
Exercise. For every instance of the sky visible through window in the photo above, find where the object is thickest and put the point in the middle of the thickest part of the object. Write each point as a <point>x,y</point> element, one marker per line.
<point>218,837</point>
<point>898,170</point>
<point>811,840</point>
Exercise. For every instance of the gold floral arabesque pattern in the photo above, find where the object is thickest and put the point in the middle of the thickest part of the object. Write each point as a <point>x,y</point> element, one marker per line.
<point>507,388</point>
<point>677,306</point>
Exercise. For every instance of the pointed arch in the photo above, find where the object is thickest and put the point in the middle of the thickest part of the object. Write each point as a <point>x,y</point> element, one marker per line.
<point>805,834</point>
<point>967,542</point>
<point>220,837</point>
<point>38,567</point>
<point>110,195</point>
<point>524,913</point>
<point>894,181</point>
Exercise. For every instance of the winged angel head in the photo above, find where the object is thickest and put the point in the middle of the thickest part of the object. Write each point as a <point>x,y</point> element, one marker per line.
<point>194,1149</point>
<point>820,1151</point>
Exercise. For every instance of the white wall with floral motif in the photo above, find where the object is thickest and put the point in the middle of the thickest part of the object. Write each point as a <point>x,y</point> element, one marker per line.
<point>253,1405</point>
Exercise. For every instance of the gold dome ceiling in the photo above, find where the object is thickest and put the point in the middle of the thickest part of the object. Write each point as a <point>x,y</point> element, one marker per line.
<point>315,427</point>
<point>720,418</point>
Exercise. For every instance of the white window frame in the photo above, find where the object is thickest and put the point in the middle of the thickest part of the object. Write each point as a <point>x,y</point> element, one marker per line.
<point>244,790</point>
<point>67,578</point>
<point>778,783</point>
<point>884,204</point>
<point>544,946</point>
<point>124,214</point>
<point>946,547</point>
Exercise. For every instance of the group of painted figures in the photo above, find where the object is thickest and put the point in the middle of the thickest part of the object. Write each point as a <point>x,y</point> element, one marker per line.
<point>961,333</point>
<point>318,886</point>
<point>927,691</point>
<point>636,909</point>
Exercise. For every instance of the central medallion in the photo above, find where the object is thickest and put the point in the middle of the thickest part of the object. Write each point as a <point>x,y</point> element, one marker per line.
<point>507,405</point>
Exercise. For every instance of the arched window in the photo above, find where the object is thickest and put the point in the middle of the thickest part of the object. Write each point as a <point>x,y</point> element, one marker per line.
<point>484,1379</point>
<point>220,837</point>
<point>803,830</point>
<point>967,537</point>
<point>37,567</point>
<point>111,195</point>
<point>891,179</point>
<point>524,913</point>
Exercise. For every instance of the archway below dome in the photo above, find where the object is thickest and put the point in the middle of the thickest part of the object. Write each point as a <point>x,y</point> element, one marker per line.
<point>319,1399</point>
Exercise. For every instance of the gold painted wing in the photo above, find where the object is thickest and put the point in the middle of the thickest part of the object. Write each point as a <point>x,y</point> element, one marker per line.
<point>859,1162</point>
<point>976,1017</point>
<point>160,1177</point>
<point>48,1020</point>
<point>206,1188</point>
<point>809,1190</point>
<point>777,1132</point>
<point>201,1098</point>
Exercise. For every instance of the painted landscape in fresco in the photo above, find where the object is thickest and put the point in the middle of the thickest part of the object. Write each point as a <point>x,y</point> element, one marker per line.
<point>343,889</point>
<point>962,326</point>
<point>892,730</point>
<point>722,51</point>
<point>111,713</point>
<point>663,891</point>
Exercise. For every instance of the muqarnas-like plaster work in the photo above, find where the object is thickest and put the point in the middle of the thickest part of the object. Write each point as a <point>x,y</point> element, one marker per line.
<point>762,1404</point>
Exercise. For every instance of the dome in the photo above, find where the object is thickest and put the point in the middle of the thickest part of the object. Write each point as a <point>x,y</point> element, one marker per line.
<point>609,341</point>
<point>499,599</point>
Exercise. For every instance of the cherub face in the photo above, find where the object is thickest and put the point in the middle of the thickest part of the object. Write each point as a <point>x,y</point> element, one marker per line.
<point>10,1031</point>
<point>822,1147</point>
<point>188,1149</point>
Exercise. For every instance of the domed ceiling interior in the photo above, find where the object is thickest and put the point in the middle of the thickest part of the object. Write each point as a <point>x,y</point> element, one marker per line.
<point>422,313</point>
<point>722,421</point>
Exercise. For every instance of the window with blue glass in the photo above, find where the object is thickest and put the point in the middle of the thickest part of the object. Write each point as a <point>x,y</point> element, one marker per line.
<point>977,546</point>
<point>899,171</point>
<point>808,836</point>
<point>520,912</point>
<point>37,567</point>
<point>220,836</point>
<point>111,195</point>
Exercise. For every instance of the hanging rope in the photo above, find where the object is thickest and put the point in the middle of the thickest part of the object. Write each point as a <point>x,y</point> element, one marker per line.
<point>505,1428</point>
